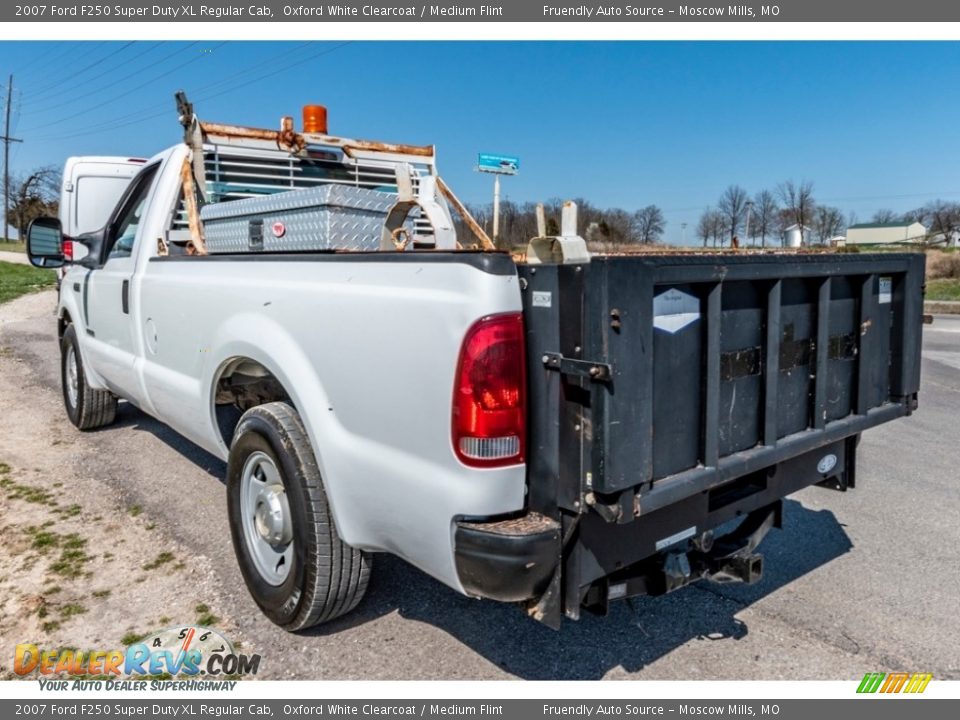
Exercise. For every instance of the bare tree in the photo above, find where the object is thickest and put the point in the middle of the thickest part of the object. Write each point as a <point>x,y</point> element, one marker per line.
<point>718,227</point>
<point>34,195</point>
<point>797,200</point>
<point>920,215</point>
<point>765,211</point>
<point>705,225</point>
<point>884,215</point>
<point>733,206</point>
<point>943,220</point>
<point>648,224</point>
<point>828,222</point>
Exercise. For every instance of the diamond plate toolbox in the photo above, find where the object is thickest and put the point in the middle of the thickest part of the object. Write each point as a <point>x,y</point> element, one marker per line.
<point>328,217</point>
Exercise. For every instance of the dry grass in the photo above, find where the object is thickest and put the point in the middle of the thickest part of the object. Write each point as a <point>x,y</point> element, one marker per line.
<point>943,265</point>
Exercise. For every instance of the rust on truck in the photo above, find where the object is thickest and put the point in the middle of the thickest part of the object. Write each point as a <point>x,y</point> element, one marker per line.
<point>485,242</point>
<point>197,242</point>
<point>289,139</point>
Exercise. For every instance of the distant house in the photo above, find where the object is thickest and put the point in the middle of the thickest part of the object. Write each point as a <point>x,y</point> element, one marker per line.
<point>883,233</point>
<point>12,233</point>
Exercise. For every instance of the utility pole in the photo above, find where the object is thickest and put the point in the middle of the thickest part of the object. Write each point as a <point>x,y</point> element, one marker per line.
<point>6,159</point>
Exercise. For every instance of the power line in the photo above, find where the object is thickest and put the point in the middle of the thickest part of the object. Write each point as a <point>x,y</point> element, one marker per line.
<point>82,70</point>
<point>139,117</point>
<point>69,47</point>
<point>114,81</point>
<point>100,105</point>
<point>281,56</point>
<point>285,68</point>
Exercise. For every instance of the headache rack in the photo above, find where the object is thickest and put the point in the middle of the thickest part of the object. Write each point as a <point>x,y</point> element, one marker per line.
<point>231,162</point>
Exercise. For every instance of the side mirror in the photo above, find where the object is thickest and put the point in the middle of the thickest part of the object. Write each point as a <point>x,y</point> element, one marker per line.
<point>45,243</point>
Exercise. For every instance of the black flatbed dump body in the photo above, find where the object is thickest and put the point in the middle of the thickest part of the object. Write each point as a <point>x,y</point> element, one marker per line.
<point>672,393</point>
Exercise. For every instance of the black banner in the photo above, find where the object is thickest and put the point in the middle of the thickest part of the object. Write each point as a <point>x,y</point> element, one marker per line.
<point>471,11</point>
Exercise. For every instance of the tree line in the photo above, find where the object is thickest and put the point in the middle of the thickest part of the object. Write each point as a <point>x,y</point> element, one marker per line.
<point>765,217</point>
<point>615,226</point>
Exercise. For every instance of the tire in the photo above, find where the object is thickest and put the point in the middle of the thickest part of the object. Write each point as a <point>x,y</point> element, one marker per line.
<point>296,567</point>
<point>87,408</point>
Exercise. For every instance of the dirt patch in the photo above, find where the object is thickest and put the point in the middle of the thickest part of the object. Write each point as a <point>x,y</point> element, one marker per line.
<point>79,567</point>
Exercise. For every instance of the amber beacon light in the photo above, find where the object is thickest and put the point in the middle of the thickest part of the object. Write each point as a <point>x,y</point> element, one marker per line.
<point>315,119</point>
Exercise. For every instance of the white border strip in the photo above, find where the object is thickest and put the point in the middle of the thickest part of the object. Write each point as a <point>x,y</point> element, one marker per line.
<point>493,690</point>
<point>553,30</point>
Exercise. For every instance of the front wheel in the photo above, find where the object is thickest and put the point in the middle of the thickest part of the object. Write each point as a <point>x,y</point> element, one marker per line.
<point>294,563</point>
<point>87,408</point>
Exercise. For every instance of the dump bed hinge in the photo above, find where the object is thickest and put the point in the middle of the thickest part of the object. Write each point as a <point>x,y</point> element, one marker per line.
<point>600,372</point>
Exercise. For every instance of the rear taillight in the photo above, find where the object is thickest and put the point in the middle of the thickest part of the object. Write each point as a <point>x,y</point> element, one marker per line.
<point>490,393</point>
<point>67,247</point>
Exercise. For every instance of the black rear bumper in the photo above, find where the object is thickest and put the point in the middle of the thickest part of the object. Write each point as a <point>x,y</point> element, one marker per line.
<point>586,560</point>
<point>507,560</point>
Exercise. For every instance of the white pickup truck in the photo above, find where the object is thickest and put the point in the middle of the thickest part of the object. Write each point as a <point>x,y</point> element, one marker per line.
<point>559,431</point>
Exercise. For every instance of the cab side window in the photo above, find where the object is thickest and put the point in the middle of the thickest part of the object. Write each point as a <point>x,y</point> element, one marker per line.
<point>123,230</point>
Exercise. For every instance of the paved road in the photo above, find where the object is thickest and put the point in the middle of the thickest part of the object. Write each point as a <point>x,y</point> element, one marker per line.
<point>856,582</point>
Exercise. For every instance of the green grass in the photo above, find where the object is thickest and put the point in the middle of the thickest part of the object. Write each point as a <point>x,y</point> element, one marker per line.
<point>13,246</point>
<point>204,616</point>
<point>28,493</point>
<point>161,559</point>
<point>71,609</point>
<point>944,289</point>
<point>132,638</point>
<point>17,280</point>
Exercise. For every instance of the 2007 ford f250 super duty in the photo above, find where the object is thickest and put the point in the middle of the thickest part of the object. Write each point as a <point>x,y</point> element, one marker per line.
<point>558,430</point>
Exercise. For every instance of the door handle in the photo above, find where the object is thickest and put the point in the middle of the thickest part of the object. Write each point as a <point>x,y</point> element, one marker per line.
<point>125,297</point>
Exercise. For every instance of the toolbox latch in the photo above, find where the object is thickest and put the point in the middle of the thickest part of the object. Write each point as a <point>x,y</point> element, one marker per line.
<point>255,235</point>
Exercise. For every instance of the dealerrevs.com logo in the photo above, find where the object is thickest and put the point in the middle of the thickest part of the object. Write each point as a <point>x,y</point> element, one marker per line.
<point>899,682</point>
<point>180,652</point>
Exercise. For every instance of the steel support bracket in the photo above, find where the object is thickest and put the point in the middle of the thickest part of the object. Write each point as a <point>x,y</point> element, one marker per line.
<point>596,371</point>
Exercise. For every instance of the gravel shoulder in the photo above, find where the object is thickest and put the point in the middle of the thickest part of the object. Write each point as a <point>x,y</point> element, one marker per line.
<point>82,565</point>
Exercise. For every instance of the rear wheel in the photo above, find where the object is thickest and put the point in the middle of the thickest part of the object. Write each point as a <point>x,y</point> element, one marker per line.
<point>87,408</point>
<point>294,563</point>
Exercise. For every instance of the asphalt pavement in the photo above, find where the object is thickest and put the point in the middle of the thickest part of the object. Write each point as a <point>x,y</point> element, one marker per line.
<point>867,580</point>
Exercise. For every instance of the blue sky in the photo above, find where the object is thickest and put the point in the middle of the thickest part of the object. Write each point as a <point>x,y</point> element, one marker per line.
<point>873,125</point>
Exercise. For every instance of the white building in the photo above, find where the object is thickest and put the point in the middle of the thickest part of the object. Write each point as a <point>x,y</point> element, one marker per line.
<point>884,233</point>
<point>797,235</point>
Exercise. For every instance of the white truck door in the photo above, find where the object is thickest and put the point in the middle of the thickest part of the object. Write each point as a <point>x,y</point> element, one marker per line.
<point>110,331</point>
